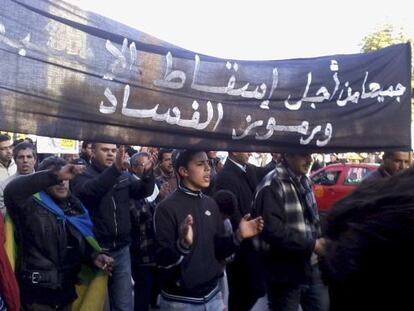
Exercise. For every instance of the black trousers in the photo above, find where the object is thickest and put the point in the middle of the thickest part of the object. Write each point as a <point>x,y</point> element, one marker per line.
<point>246,284</point>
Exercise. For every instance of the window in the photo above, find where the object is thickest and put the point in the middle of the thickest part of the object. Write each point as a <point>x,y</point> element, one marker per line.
<point>355,175</point>
<point>326,178</point>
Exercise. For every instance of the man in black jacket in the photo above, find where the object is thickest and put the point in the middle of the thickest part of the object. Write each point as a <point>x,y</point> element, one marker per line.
<point>106,189</point>
<point>393,162</point>
<point>292,236</point>
<point>143,246</point>
<point>191,238</point>
<point>51,247</point>
<point>244,274</point>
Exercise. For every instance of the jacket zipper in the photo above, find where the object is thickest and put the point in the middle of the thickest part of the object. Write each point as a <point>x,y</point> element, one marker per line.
<point>115,219</point>
<point>115,223</point>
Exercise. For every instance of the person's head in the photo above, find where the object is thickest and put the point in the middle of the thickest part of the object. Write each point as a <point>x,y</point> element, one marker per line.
<point>130,151</point>
<point>70,157</point>
<point>86,148</point>
<point>192,168</point>
<point>104,154</point>
<point>277,157</point>
<point>226,202</point>
<point>60,191</point>
<point>5,148</point>
<point>211,154</point>
<point>299,163</point>
<point>164,160</point>
<point>138,161</point>
<point>241,158</point>
<point>17,141</point>
<point>370,235</point>
<point>394,162</point>
<point>28,140</point>
<point>152,151</point>
<point>24,154</point>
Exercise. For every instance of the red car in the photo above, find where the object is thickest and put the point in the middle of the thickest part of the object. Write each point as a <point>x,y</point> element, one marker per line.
<point>335,181</point>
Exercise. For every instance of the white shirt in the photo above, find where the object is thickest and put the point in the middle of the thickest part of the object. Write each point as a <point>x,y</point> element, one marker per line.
<point>6,172</point>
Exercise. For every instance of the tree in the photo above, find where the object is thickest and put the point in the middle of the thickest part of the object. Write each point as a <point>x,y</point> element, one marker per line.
<point>384,37</point>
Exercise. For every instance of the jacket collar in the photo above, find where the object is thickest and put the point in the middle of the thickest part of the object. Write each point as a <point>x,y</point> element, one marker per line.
<point>232,166</point>
<point>190,192</point>
<point>383,172</point>
<point>241,167</point>
<point>10,164</point>
<point>97,166</point>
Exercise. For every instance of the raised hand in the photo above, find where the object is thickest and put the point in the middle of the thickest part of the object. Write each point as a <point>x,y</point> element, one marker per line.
<point>149,165</point>
<point>70,171</point>
<point>186,232</point>
<point>165,189</point>
<point>249,227</point>
<point>121,159</point>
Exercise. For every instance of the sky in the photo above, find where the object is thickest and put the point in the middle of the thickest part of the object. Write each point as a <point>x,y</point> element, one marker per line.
<point>259,29</point>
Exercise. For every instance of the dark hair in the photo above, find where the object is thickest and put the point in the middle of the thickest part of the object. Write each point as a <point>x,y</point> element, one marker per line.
<point>371,233</point>
<point>22,146</point>
<point>29,140</point>
<point>226,201</point>
<point>95,144</point>
<point>17,141</point>
<point>79,161</point>
<point>51,162</point>
<point>390,154</point>
<point>85,144</point>
<point>130,151</point>
<point>4,137</point>
<point>181,158</point>
<point>162,152</point>
<point>26,139</point>
<point>134,159</point>
<point>286,155</point>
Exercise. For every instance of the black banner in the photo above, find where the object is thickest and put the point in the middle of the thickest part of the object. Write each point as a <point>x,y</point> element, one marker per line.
<point>73,74</point>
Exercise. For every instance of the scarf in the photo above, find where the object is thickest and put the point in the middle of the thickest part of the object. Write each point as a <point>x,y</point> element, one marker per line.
<point>310,208</point>
<point>82,222</point>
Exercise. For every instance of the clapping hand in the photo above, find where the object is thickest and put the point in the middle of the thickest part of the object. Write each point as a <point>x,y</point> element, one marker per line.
<point>249,227</point>
<point>186,232</point>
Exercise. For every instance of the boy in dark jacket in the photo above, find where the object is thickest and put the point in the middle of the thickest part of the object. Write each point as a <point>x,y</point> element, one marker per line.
<point>190,234</point>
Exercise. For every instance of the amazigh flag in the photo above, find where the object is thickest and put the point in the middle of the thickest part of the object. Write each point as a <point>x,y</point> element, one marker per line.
<point>8,284</point>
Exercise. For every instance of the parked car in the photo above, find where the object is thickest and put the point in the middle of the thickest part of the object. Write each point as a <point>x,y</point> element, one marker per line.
<point>335,181</point>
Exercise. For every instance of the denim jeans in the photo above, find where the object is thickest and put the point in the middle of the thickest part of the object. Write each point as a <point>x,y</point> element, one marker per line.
<point>215,304</point>
<point>119,284</point>
<point>146,286</point>
<point>311,297</point>
<point>315,296</point>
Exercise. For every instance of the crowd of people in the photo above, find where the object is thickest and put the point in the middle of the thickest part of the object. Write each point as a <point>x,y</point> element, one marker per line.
<point>176,229</point>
